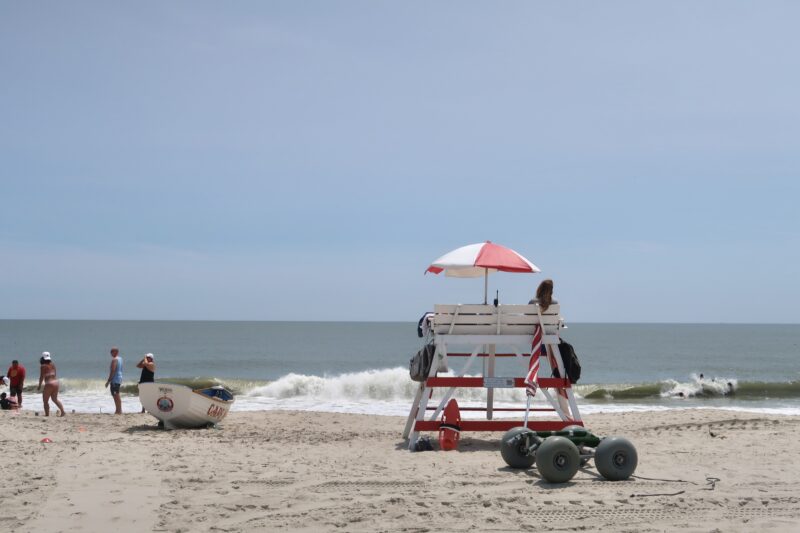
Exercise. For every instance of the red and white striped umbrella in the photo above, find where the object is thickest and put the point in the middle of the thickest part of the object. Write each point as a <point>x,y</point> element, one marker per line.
<point>476,260</point>
<point>481,259</point>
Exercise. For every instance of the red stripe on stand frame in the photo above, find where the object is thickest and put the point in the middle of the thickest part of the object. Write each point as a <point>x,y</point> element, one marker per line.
<point>487,355</point>
<point>550,383</point>
<point>498,425</point>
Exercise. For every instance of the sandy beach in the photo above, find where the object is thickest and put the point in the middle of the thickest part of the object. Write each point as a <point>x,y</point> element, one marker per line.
<point>337,472</point>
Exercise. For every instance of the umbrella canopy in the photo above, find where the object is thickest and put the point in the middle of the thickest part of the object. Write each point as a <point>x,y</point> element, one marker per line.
<point>481,259</point>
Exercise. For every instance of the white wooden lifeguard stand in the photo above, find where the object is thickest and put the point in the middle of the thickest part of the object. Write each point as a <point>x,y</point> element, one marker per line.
<point>483,329</point>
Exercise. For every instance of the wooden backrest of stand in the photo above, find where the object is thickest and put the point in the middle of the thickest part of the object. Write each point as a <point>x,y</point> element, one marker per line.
<point>472,319</point>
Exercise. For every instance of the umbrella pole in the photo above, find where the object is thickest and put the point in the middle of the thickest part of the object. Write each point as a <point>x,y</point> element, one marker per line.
<point>485,286</point>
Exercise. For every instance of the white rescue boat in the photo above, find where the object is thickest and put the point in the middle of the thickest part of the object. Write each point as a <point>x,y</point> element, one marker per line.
<point>178,406</point>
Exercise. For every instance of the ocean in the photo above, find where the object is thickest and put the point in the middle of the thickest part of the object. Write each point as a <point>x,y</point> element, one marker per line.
<point>363,367</point>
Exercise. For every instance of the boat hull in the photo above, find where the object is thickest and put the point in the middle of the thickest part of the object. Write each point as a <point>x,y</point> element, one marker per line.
<point>178,406</point>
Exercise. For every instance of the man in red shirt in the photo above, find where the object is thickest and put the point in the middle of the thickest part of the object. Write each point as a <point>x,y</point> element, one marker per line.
<point>16,375</point>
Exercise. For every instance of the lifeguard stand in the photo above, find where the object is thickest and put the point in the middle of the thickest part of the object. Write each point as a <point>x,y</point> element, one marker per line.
<point>490,331</point>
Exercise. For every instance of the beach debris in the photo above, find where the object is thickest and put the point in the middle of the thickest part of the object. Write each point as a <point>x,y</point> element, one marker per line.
<point>46,440</point>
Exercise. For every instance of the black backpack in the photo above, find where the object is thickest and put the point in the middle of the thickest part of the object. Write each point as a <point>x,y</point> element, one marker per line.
<point>571,364</point>
<point>420,365</point>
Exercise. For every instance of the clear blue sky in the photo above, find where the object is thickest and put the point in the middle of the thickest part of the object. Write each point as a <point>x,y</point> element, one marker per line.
<point>307,160</point>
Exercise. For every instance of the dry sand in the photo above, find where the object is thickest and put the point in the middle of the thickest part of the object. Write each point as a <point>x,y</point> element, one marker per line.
<point>296,471</point>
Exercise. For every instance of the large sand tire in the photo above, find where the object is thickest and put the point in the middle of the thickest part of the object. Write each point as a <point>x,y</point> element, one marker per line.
<point>557,459</point>
<point>512,448</point>
<point>616,458</point>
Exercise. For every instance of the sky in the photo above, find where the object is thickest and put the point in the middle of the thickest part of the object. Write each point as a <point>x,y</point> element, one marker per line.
<point>308,160</point>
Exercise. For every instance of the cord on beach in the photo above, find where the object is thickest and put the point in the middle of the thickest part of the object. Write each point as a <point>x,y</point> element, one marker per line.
<point>658,494</point>
<point>712,481</point>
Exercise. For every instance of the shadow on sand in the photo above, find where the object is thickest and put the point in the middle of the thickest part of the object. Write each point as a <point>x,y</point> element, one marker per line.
<point>465,445</point>
<point>143,428</point>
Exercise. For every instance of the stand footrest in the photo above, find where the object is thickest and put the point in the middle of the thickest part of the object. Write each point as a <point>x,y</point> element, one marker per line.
<point>498,425</point>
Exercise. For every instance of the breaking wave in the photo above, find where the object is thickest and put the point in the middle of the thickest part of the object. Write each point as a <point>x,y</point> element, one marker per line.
<point>393,391</point>
<point>696,387</point>
<point>394,384</point>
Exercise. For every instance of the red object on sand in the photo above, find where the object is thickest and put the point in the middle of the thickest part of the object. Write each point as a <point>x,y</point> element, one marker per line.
<point>450,428</point>
<point>46,440</point>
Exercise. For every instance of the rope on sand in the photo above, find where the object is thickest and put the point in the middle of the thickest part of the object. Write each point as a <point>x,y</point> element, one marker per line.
<point>669,480</point>
<point>657,494</point>
<point>711,481</point>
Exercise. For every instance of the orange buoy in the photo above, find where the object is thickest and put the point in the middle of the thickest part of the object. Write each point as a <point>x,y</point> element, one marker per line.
<point>450,428</point>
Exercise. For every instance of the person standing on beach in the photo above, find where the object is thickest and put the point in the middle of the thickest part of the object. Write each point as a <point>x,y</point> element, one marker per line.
<point>47,374</point>
<point>16,376</point>
<point>148,366</point>
<point>115,379</point>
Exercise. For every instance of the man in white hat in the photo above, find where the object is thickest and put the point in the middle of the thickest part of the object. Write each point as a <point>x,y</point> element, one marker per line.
<point>148,366</point>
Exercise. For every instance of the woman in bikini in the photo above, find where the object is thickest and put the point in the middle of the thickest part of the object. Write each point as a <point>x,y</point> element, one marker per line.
<point>47,374</point>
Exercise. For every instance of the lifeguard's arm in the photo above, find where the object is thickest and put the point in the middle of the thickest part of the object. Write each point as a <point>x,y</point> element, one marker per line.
<point>111,371</point>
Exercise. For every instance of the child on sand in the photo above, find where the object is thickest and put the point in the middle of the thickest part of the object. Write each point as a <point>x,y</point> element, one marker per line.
<point>8,402</point>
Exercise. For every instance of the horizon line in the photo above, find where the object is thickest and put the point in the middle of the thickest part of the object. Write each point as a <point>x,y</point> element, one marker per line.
<point>378,321</point>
